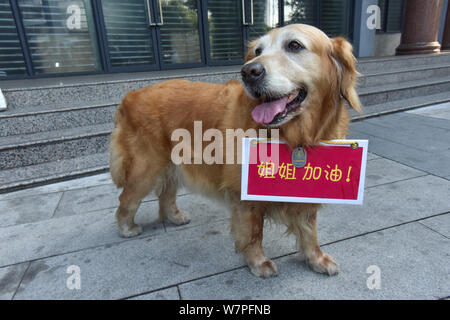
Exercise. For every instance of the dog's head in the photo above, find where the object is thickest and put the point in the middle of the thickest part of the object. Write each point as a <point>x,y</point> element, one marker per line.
<point>295,72</point>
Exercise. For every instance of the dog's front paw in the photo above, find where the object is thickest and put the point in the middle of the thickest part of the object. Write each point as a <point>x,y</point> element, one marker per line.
<point>126,232</point>
<point>179,218</point>
<point>324,264</point>
<point>266,269</point>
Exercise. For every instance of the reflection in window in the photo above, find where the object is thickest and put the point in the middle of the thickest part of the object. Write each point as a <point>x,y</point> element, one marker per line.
<point>391,15</point>
<point>11,57</point>
<point>301,11</point>
<point>60,34</point>
<point>335,17</point>
<point>265,17</point>
<point>331,16</point>
<point>129,37</point>
<point>180,40</point>
<point>225,29</point>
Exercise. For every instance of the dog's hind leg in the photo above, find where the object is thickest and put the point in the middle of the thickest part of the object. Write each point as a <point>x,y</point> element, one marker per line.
<point>305,229</point>
<point>247,227</point>
<point>168,210</point>
<point>138,183</point>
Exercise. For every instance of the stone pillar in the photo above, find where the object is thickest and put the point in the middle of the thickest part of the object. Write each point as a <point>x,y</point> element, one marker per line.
<point>421,27</point>
<point>446,36</point>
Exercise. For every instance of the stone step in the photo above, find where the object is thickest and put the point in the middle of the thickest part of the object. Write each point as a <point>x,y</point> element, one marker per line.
<point>28,94</point>
<point>97,88</point>
<point>403,75</point>
<point>75,163</point>
<point>50,172</point>
<point>380,94</point>
<point>400,105</point>
<point>387,64</point>
<point>374,89</point>
<point>30,149</point>
<point>51,118</point>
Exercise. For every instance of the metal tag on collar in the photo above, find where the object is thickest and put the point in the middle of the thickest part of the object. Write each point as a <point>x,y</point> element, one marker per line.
<point>299,156</point>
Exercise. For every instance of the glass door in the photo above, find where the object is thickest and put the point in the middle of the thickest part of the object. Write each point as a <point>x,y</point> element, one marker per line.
<point>178,32</point>
<point>225,36</point>
<point>265,17</point>
<point>331,16</point>
<point>61,35</point>
<point>130,36</point>
<point>12,61</point>
<point>152,34</point>
<point>233,23</point>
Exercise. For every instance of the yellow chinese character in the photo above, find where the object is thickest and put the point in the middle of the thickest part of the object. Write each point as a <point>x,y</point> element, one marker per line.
<point>336,174</point>
<point>287,172</point>
<point>309,172</point>
<point>266,170</point>
<point>317,173</point>
<point>327,173</point>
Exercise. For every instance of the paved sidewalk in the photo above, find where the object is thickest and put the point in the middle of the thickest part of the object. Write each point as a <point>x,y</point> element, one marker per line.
<point>403,228</point>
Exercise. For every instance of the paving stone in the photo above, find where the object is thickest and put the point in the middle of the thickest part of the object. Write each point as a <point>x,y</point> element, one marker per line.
<point>80,231</point>
<point>385,206</point>
<point>67,234</point>
<point>10,278</point>
<point>388,206</point>
<point>434,163</point>
<point>84,200</point>
<point>93,199</point>
<point>372,156</point>
<point>133,267</point>
<point>440,111</point>
<point>201,209</point>
<point>408,121</point>
<point>423,138</point>
<point>159,261</point>
<point>403,255</point>
<point>137,266</point>
<point>166,294</point>
<point>95,180</point>
<point>440,224</point>
<point>28,209</point>
<point>381,171</point>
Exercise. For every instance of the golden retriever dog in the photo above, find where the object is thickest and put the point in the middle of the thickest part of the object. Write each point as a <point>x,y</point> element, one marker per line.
<point>295,79</point>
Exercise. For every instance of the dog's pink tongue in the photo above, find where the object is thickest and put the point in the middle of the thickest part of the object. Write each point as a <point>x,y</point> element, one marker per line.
<point>266,112</point>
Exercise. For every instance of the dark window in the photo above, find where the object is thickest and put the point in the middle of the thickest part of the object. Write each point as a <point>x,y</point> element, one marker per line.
<point>265,16</point>
<point>225,30</point>
<point>11,57</point>
<point>301,11</point>
<point>331,16</point>
<point>335,17</point>
<point>130,40</point>
<point>391,15</point>
<point>61,35</point>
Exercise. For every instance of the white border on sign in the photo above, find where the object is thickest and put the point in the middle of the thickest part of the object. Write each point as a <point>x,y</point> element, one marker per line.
<point>245,168</point>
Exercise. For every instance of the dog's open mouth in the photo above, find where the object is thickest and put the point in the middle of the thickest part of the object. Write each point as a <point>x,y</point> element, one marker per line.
<point>273,112</point>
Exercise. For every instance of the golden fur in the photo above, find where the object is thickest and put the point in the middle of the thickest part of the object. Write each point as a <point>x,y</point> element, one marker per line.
<point>141,142</point>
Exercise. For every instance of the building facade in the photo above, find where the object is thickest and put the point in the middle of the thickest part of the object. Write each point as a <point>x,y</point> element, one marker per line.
<point>68,37</point>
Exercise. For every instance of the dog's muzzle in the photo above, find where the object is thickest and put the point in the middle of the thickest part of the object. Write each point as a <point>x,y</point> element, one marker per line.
<point>252,73</point>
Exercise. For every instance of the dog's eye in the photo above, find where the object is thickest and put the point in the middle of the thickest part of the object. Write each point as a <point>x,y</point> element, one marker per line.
<point>258,51</point>
<point>295,46</point>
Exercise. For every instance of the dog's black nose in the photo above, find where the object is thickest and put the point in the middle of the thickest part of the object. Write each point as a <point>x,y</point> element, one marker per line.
<point>252,72</point>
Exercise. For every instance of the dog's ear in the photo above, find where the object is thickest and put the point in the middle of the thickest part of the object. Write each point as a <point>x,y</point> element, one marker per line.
<point>342,53</point>
<point>250,51</point>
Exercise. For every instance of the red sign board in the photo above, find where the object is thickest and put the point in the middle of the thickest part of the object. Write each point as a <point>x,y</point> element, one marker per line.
<point>329,173</point>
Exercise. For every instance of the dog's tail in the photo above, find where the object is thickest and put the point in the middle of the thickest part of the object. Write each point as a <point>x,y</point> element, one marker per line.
<point>116,158</point>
